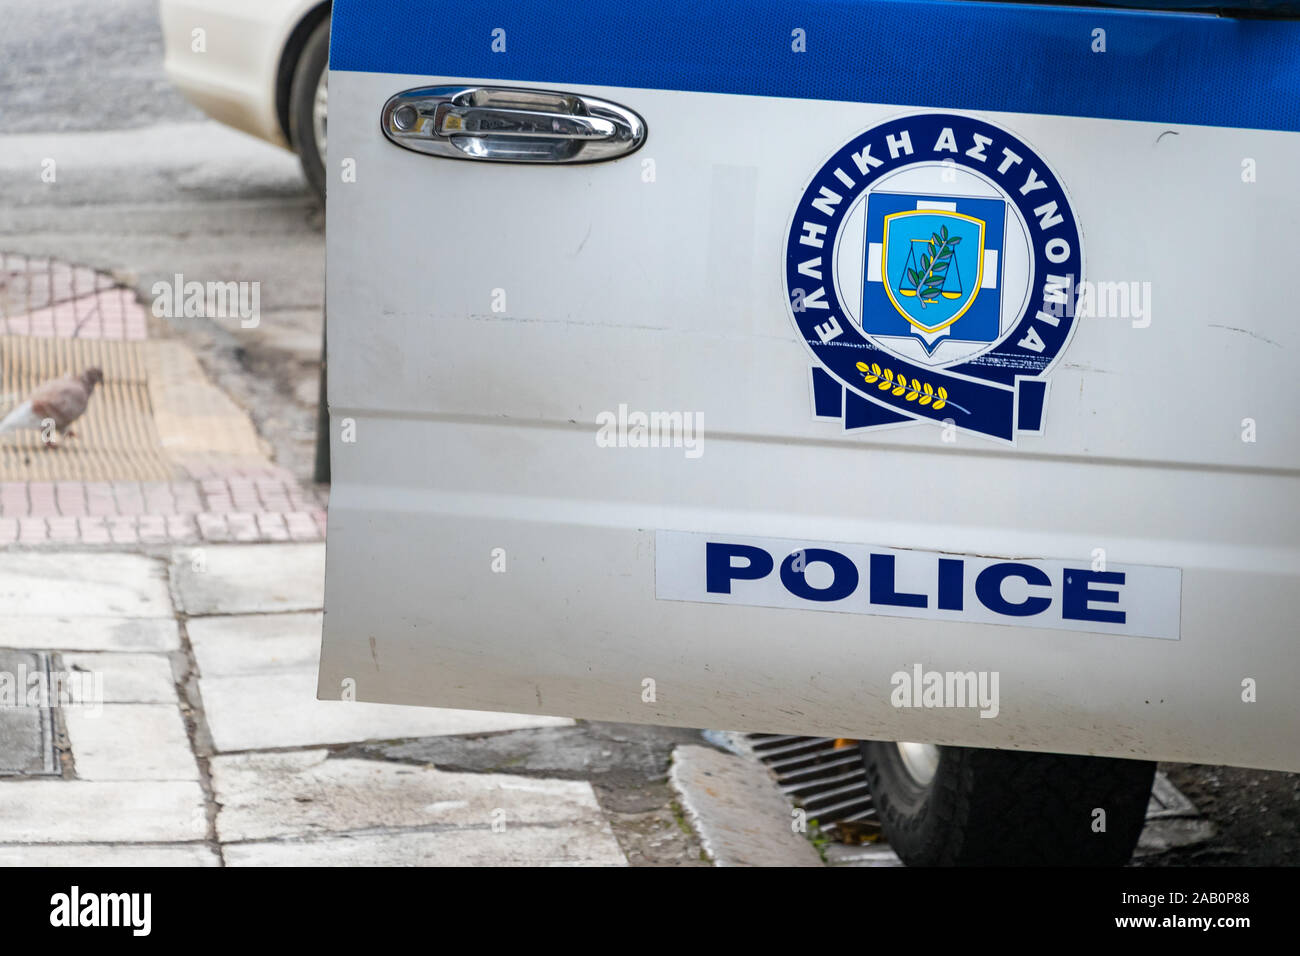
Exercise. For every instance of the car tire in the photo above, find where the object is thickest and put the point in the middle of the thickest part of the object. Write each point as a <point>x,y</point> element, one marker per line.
<point>306,128</point>
<point>1006,808</point>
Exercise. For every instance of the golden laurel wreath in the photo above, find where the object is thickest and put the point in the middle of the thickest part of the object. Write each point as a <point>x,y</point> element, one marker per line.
<point>915,390</point>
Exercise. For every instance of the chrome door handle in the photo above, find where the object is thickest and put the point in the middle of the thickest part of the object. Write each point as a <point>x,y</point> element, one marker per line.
<point>510,125</point>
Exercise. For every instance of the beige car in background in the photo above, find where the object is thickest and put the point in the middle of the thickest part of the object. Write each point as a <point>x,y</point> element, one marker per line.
<point>260,66</point>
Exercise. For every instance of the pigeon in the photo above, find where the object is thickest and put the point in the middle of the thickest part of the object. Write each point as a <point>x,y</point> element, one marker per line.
<point>60,401</point>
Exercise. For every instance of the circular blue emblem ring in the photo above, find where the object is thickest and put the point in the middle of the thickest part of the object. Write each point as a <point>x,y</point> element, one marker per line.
<point>1000,390</point>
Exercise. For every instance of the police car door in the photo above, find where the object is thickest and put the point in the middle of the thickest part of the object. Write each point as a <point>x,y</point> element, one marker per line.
<point>758,365</point>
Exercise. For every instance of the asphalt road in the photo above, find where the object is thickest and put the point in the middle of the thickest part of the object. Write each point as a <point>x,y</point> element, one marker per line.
<point>78,65</point>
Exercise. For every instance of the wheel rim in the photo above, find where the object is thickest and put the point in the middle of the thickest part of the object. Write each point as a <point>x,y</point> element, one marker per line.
<point>318,112</point>
<point>920,760</point>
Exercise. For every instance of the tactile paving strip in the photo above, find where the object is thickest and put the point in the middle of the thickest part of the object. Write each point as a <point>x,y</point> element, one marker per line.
<point>115,439</point>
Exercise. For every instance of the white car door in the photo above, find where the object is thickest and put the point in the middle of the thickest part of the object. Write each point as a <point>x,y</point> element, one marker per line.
<point>764,365</point>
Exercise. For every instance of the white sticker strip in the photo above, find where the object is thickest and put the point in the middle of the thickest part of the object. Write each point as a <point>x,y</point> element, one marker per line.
<point>874,252</point>
<point>990,269</point>
<point>1132,600</point>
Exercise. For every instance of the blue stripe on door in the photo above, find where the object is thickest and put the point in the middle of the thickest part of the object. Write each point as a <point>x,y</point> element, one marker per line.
<point>1160,67</point>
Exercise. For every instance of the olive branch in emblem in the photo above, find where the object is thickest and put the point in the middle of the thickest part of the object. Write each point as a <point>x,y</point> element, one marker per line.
<point>910,390</point>
<point>935,261</point>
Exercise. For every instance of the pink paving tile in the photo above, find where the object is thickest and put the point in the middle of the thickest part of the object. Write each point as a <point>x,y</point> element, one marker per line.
<point>213,527</point>
<point>233,508</point>
<point>188,505</point>
<point>101,507</point>
<point>13,500</point>
<point>108,313</point>
<point>62,529</point>
<point>272,526</point>
<point>301,526</point>
<point>93,531</point>
<point>44,508</point>
<point>158,498</point>
<point>181,528</point>
<point>71,498</point>
<point>123,531</point>
<point>152,527</point>
<point>219,504</point>
<point>243,526</point>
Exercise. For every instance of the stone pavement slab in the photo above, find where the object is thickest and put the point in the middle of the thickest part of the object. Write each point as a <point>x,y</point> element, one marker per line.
<point>622,755</point>
<point>126,678</point>
<point>94,633</point>
<point>557,845</point>
<point>108,854</point>
<point>130,742</point>
<point>258,683</point>
<point>309,794</point>
<point>303,792</point>
<point>137,798</point>
<point>84,811</point>
<point>249,579</point>
<point>256,643</point>
<point>69,584</point>
<point>280,710</point>
<point>737,809</point>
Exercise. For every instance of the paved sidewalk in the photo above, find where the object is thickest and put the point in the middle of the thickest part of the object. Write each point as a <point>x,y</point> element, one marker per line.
<point>195,738</point>
<point>165,576</point>
<point>162,454</point>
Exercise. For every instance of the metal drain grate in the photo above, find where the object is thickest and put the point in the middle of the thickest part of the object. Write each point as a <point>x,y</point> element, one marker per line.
<point>27,738</point>
<point>821,774</point>
<point>824,775</point>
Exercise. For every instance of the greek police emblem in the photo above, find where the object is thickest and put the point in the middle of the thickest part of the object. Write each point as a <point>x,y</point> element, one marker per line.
<point>931,268</point>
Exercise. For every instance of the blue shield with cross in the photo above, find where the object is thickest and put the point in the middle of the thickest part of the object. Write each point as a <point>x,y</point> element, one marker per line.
<point>933,267</point>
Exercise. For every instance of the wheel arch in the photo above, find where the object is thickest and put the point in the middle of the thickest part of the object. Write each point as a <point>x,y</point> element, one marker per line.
<point>289,61</point>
